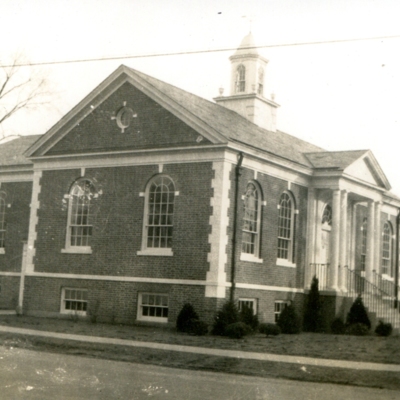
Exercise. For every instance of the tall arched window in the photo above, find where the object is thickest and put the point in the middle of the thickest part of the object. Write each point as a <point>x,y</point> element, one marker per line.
<point>2,221</point>
<point>159,212</point>
<point>364,243</point>
<point>286,227</point>
<point>260,89</point>
<point>251,220</point>
<point>387,246</point>
<point>240,83</point>
<point>79,229</point>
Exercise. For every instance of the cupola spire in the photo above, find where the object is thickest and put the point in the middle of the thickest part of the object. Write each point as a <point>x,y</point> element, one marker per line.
<point>247,86</point>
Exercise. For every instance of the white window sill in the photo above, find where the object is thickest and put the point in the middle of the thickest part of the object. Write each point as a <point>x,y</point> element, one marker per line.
<point>77,250</point>
<point>2,250</point>
<point>250,258</point>
<point>153,319</point>
<point>71,312</point>
<point>386,277</point>
<point>156,252</point>
<point>281,262</point>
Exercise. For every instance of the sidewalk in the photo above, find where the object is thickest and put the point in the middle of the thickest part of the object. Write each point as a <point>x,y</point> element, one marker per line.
<point>208,351</point>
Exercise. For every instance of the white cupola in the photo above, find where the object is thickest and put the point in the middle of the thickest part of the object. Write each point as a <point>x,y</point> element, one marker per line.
<point>247,86</point>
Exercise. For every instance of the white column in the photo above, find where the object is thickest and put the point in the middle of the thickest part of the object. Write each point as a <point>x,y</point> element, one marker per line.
<point>369,263</point>
<point>343,240</point>
<point>311,236</point>
<point>333,268</point>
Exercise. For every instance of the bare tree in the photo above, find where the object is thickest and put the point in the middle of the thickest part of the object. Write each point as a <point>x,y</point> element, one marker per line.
<point>21,87</point>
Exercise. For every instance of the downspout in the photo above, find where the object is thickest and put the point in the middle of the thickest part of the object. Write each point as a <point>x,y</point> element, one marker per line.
<point>396,272</point>
<point>238,172</point>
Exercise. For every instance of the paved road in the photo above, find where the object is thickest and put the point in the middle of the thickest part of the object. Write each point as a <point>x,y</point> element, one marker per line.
<point>26,374</point>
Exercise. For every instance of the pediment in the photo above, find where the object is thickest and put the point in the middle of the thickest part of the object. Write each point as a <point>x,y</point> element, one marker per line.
<point>367,169</point>
<point>128,111</point>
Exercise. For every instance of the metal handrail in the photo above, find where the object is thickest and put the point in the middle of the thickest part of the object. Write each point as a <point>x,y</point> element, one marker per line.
<point>379,296</point>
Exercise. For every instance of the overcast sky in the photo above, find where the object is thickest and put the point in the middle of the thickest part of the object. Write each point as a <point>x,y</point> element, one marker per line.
<point>338,95</point>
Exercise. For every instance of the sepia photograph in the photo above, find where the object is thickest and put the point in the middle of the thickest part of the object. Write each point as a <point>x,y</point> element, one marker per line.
<point>199,200</point>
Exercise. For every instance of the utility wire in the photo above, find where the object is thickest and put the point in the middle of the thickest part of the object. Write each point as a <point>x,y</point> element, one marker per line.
<point>180,53</point>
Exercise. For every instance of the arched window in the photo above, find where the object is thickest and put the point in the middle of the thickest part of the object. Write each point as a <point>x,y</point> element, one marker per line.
<point>159,212</point>
<point>364,243</point>
<point>327,216</point>
<point>79,229</point>
<point>260,89</point>
<point>286,227</point>
<point>251,220</point>
<point>387,246</point>
<point>2,221</point>
<point>240,83</point>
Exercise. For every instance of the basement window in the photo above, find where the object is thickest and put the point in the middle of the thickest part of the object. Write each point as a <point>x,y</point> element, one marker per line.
<point>74,301</point>
<point>280,305</point>
<point>153,307</point>
<point>249,303</point>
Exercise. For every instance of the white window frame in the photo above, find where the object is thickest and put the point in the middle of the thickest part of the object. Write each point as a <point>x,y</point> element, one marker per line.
<point>83,300</point>
<point>156,251</point>
<point>279,306</point>
<point>387,251</point>
<point>69,248</point>
<point>240,84</point>
<point>287,261</point>
<point>149,318</point>
<point>255,255</point>
<point>246,301</point>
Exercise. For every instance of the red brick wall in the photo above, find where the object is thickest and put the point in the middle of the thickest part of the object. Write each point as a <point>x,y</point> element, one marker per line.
<point>9,290</point>
<point>116,301</point>
<point>268,273</point>
<point>18,199</point>
<point>152,127</point>
<point>118,222</point>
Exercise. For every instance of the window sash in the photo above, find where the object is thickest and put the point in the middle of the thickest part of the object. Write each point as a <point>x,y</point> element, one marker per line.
<point>74,300</point>
<point>80,229</point>
<point>285,228</point>
<point>279,306</point>
<point>153,307</point>
<point>160,212</point>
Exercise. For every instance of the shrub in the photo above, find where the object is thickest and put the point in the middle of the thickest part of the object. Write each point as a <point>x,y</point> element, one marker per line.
<point>383,329</point>
<point>338,327</point>
<point>197,327</point>
<point>357,329</point>
<point>247,316</point>
<point>289,321</point>
<point>237,330</point>
<point>358,314</point>
<point>313,318</point>
<point>269,329</point>
<point>226,316</point>
<point>186,315</point>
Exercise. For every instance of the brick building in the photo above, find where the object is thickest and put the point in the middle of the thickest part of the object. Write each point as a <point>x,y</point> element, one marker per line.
<point>145,197</point>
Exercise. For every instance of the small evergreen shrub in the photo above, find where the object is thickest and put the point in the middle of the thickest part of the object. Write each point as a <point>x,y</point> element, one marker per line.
<point>197,327</point>
<point>289,321</point>
<point>237,330</point>
<point>383,329</point>
<point>269,329</point>
<point>228,315</point>
<point>338,327</point>
<point>357,329</point>
<point>313,317</point>
<point>185,318</point>
<point>358,314</point>
<point>247,316</point>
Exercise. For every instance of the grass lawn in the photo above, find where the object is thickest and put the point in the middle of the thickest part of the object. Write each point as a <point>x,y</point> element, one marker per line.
<point>353,348</point>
